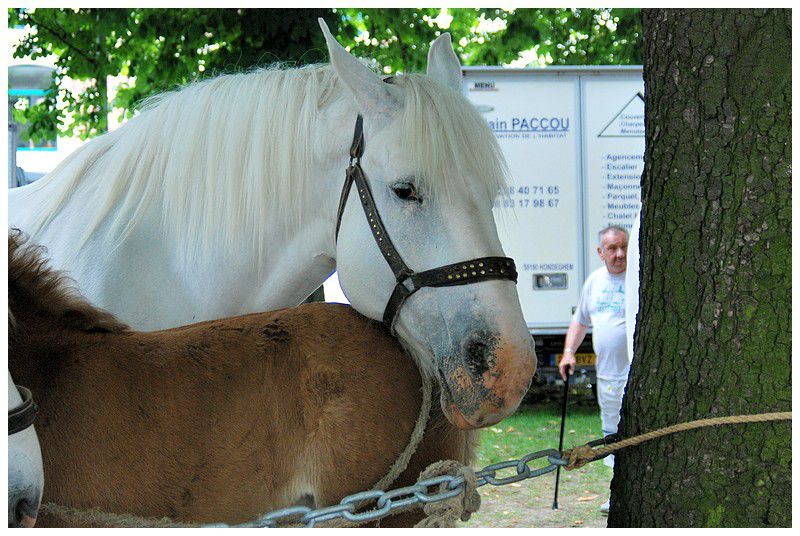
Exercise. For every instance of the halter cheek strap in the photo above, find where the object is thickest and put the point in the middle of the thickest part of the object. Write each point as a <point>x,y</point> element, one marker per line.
<point>408,281</point>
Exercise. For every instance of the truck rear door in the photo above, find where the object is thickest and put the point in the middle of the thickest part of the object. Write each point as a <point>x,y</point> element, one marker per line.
<point>536,120</point>
<point>613,152</point>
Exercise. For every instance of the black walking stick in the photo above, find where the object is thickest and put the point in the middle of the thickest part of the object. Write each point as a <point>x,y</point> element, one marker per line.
<point>561,437</point>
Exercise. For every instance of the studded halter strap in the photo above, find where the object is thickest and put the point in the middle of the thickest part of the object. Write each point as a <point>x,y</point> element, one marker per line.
<point>408,281</point>
<point>23,415</point>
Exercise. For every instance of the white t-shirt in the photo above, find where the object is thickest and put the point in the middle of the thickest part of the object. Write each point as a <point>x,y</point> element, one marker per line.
<point>602,306</point>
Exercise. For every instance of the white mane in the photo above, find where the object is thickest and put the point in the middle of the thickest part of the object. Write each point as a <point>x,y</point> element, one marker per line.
<point>223,153</point>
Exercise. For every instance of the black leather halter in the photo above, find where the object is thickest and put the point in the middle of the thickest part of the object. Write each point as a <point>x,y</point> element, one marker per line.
<point>408,281</point>
<point>23,415</point>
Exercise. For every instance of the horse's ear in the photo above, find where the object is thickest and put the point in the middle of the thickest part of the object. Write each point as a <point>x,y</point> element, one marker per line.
<point>443,64</point>
<point>373,96</point>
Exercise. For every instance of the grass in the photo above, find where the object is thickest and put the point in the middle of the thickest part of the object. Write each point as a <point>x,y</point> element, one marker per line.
<point>537,427</point>
<point>529,503</point>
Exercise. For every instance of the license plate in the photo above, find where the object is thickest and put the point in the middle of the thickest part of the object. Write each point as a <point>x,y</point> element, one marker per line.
<point>580,359</point>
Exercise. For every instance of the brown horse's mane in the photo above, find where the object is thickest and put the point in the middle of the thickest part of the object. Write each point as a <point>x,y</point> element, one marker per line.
<point>35,287</point>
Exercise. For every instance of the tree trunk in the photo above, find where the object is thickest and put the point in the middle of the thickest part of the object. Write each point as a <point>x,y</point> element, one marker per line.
<point>714,330</point>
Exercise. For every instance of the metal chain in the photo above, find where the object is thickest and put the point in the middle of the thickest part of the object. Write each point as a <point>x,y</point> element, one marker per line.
<point>378,504</point>
<point>355,510</point>
<point>420,493</point>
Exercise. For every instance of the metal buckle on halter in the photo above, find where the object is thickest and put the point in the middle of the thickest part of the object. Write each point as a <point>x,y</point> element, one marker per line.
<point>409,281</point>
<point>23,415</point>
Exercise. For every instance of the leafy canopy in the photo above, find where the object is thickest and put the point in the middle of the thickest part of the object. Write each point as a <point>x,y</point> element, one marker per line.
<point>160,49</point>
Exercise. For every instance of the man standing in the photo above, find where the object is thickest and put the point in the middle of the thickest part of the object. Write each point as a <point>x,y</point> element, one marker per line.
<point>602,307</point>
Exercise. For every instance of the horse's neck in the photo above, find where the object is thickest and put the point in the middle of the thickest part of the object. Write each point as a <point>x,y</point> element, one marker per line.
<point>37,348</point>
<point>295,262</point>
<point>298,265</point>
<point>143,282</point>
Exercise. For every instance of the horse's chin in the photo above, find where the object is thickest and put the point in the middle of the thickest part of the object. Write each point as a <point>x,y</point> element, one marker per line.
<point>447,401</point>
<point>455,417</point>
<point>27,522</point>
<point>477,419</point>
<point>450,409</point>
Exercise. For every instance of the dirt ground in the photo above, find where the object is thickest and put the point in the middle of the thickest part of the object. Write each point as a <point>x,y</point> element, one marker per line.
<point>530,503</point>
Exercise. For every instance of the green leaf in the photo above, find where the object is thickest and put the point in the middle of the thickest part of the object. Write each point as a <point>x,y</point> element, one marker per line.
<point>161,49</point>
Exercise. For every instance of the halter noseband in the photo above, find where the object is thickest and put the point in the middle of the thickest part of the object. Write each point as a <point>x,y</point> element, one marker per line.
<point>408,281</point>
<point>23,415</point>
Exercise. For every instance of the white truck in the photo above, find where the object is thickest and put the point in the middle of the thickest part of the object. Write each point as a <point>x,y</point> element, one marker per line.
<point>574,141</point>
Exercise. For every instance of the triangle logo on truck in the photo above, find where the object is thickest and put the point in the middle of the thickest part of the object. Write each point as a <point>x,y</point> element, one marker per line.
<point>629,121</point>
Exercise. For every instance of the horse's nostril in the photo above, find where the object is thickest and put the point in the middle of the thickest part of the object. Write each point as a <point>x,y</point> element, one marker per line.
<point>477,358</point>
<point>16,514</point>
<point>22,515</point>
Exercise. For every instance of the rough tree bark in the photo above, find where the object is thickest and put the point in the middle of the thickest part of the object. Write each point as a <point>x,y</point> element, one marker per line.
<point>714,330</point>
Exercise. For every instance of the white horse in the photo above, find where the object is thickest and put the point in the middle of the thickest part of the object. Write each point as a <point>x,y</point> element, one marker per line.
<point>232,184</point>
<point>25,473</point>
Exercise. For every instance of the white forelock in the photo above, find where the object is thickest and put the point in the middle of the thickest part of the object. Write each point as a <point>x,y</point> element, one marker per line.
<point>220,155</point>
<point>448,142</point>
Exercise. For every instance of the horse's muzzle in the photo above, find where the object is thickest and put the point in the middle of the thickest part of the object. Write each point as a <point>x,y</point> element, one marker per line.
<point>489,384</point>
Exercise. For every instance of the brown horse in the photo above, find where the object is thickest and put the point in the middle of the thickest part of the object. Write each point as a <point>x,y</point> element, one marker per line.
<point>220,421</point>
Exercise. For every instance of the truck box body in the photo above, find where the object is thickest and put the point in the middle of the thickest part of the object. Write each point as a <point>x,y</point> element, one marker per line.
<point>574,141</point>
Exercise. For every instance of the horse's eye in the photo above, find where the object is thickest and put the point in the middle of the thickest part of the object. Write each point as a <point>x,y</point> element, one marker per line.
<point>407,192</point>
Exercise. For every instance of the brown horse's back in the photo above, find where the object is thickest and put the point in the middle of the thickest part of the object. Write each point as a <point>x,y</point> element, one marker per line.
<point>226,420</point>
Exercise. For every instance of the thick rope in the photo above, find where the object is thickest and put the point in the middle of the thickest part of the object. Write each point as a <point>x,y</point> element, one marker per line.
<point>96,518</point>
<point>443,514</point>
<point>401,463</point>
<point>416,436</point>
<point>583,454</point>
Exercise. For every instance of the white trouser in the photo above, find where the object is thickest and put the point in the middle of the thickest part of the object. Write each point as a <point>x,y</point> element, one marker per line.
<point>609,396</point>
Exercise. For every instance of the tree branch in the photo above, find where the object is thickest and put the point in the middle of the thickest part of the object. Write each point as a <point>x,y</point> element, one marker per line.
<point>63,38</point>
